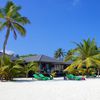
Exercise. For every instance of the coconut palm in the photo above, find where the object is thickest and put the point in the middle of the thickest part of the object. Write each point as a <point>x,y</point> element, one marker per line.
<point>59,53</point>
<point>9,69</point>
<point>87,54</point>
<point>13,21</point>
<point>32,66</point>
<point>70,55</point>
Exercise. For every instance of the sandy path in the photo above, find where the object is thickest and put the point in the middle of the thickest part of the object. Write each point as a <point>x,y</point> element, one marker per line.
<point>51,90</point>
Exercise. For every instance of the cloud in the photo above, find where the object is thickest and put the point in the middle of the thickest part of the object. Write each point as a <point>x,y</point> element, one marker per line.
<point>8,52</point>
<point>75,2</point>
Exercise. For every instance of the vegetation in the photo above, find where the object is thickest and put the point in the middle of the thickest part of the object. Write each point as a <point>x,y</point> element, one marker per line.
<point>9,69</point>
<point>59,53</point>
<point>85,57</point>
<point>70,55</point>
<point>13,69</point>
<point>13,21</point>
<point>86,54</point>
<point>32,66</point>
<point>29,55</point>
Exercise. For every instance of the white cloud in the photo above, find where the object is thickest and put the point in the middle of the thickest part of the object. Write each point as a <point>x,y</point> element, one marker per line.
<point>8,52</point>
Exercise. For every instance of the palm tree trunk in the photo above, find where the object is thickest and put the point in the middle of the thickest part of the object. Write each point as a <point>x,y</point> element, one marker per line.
<point>27,75</point>
<point>87,71</point>
<point>6,39</point>
<point>98,72</point>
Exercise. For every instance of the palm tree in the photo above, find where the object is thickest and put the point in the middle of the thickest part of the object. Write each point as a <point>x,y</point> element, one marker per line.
<point>32,66</point>
<point>13,21</point>
<point>87,54</point>
<point>59,53</point>
<point>9,69</point>
<point>69,55</point>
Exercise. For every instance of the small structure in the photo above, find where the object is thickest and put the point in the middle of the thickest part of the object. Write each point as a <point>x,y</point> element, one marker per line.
<point>47,64</point>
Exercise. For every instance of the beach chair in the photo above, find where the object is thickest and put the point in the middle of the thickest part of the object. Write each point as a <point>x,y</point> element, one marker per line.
<point>48,78</point>
<point>72,77</point>
<point>36,76</point>
<point>39,77</point>
<point>44,77</point>
<point>94,75</point>
<point>78,78</point>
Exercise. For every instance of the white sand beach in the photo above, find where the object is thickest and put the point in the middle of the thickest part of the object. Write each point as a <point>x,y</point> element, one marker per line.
<point>57,89</point>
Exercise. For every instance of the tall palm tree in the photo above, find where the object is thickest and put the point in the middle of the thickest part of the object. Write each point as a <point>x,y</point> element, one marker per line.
<point>87,54</point>
<point>59,53</point>
<point>13,21</point>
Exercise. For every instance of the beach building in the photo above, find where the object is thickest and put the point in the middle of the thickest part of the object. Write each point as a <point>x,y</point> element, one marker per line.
<point>47,64</point>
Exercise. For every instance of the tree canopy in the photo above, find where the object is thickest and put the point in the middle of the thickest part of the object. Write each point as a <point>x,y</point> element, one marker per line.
<point>86,54</point>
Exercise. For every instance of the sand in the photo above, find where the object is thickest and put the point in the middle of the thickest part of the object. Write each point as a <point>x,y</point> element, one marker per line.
<point>57,89</point>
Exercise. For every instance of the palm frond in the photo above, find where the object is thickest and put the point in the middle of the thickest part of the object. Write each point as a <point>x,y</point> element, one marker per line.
<point>2,25</point>
<point>74,64</point>
<point>97,62</point>
<point>88,62</point>
<point>1,13</point>
<point>11,4</point>
<point>13,11</point>
<point>19,28</point>
<point>88,54</point>
<point>22,20</point>
<point>14,31</point>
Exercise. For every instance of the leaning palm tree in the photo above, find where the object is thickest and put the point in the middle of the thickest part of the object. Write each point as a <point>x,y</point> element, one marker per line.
<point>87,54</point>
<point>13,21</point>
<point>59,53</point>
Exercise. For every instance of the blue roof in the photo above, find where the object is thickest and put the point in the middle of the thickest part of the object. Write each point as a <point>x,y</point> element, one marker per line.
<point>42,58</point>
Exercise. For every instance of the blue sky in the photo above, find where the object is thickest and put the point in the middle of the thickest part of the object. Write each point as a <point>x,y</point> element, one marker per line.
<point>55,24</point>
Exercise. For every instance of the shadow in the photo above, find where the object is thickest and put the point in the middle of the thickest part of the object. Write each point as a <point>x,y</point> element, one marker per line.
<point>93,78</point>
<point>21,81</point>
